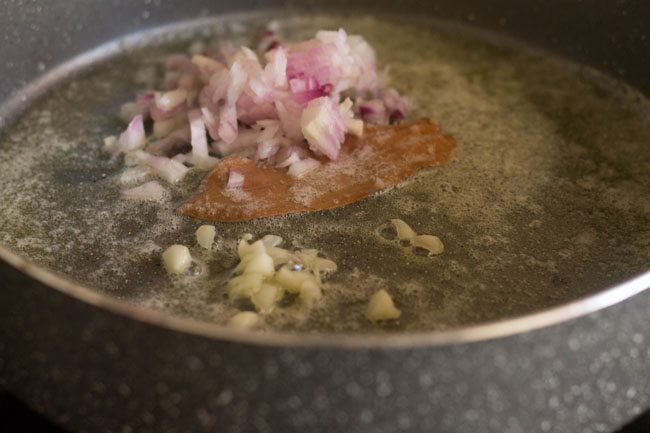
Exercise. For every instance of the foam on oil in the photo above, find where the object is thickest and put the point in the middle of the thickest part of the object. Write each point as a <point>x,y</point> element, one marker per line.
<point>546,199</point>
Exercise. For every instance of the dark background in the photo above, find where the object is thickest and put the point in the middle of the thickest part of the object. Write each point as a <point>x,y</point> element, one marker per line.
<point>16,417</point>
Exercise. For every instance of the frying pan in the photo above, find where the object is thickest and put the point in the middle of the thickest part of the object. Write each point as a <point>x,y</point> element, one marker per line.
<point>93,362</point>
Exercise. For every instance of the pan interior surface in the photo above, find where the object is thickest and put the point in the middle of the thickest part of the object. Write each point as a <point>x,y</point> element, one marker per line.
<point>546,200</point>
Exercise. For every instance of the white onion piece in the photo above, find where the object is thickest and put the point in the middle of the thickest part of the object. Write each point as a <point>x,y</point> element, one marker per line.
<point>270,129</point>
<point>180,157</point>
<point>267,149</point>
<point>244,320</point>
<point>429,242</point>
<point>300,168</point>
<point>206,66</point>
<point>169,100</point>
<point>162,128</point>
<point>170,170</point>
<point>289,114</point>
<point>291,159</point>
<point>205,236</point>
<point>276,69</point>
<point>228,129</point>
<point>381,307</point>
<point>404,231</point>
<point>322,125</point>
<point>211,122</point>
<point>134,175</point>
<point>246,139</point>
<point>150,191</point>
<point>354,127</point>
<point>133,137</point>
<point>235,180</point>
<point>135,158</point>
<point>199,141</point>
<point>173,139</point>
<point>177,259</point>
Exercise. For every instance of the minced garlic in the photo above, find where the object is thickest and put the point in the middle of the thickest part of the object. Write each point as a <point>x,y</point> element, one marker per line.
<point>177,259</point>
<point>244,320</point>
<point>381,307</point>
<point>205,236</point>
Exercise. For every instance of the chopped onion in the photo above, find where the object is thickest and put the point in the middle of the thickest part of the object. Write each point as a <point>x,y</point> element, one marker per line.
<point>199,141</point>
<point>352,125</point>
<point>206,66</point>
<point>150,191</point>
<point>170,170</point>
<point>170,142</point>
<point>235,179</point>
<point>134,137</point>
<point>133,175</point>
<point>246,141</point>
<point>180,157</point>
<point>283,106</point>
<point>290,160</point>
<point>267,149</point>
<point>300,168</point>
<point>144,102</point>
<point>323,127</point>
<point>170,100</point>
<point>162,128</point>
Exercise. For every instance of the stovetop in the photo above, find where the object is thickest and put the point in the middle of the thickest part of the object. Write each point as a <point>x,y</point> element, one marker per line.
<point>16,417</point>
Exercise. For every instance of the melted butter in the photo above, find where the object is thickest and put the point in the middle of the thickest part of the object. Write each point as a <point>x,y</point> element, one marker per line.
<point>546,200</point>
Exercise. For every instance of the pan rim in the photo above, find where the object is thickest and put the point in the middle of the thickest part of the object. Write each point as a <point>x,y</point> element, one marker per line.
<point>469,334</point>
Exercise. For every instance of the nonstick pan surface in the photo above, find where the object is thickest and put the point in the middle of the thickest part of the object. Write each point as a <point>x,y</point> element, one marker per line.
<point>538,233</point>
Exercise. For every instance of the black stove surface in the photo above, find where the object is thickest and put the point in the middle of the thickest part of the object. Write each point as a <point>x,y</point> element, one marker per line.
<point>16,417</point>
